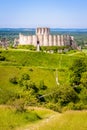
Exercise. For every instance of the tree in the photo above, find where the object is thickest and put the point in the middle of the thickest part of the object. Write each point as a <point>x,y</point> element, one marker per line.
<point>76,70</point>
<point>64,95</point>
<point>84,79</point>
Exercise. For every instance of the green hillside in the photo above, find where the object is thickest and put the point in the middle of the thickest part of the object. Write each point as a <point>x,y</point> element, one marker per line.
<point>36,79</point>
<point>42,70</point>
<point>37,59</point>
<point>70,120</point>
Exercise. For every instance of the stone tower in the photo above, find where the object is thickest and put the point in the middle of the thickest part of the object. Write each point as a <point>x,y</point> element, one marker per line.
<point>42,31</point>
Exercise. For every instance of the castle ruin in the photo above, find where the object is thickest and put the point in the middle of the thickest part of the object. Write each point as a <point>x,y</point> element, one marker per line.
<point>44,38</point>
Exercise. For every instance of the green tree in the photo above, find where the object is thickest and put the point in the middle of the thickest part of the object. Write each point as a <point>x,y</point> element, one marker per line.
<point>64,95</point>
<point>84,79</point>
<point>76,70</point>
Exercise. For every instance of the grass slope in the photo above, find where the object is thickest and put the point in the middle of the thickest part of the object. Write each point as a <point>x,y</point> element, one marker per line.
<point>39,59</point>
<point>70,120</point>
<point>11,120</point>
<point>43,67</point>
<point>36,75</point>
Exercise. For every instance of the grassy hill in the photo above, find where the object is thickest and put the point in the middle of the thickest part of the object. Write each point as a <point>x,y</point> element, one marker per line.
<point>37,59</point>
<point>70,120</point>
<point>10,119</point>
<point>41,67</point>
<point>26,76</point>
<point>41,119</point>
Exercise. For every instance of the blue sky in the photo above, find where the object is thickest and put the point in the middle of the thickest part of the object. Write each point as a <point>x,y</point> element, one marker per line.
<point>50,13</point>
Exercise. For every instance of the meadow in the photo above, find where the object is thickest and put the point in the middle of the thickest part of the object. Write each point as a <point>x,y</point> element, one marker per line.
<point>37,72</point>
<point>10,119</point>
<point>70,120</point>
<point>39,66</point>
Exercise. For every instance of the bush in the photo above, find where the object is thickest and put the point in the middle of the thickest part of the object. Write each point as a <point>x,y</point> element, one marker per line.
<point>54,48</point>
<point>79,106</point>
<point>13,80</point>
<point>30,47</point>
<point>65,95</point>
<point>2,58</point>
<point>25,77</point>
<point>42,86</point>
<point>84,79</point>
<point>31,69</point>
<point>55,107</point>
<point>19,105</point>
<point>76,69</point>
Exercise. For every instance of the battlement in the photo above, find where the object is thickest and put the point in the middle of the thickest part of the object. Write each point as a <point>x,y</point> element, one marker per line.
<point>42,31</point>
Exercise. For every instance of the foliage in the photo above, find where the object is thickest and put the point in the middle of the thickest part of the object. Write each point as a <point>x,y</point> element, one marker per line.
<point>13,80</point>
<point>54,48</point>
<point>37,78</point>
<point>25,77</point>
<point>9,119</point>
<point>19,105</point>
<point>2,58</point>
<point>65,95</point>
<point>83,96</point>
<point>42,86</point>
<point>76,70</point>
<point>55,107</point>
<point>84,79</point>
<point>30,47</point>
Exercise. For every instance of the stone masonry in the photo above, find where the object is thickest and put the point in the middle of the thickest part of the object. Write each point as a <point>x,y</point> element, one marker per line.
<point>44,38</point>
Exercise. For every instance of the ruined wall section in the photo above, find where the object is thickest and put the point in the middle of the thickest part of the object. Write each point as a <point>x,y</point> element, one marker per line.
<point>27,40</point>
<point>45,40</point>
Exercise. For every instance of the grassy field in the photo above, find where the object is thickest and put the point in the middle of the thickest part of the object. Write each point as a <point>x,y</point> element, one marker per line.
<point>37,59</point>
<point>40,67</point>
<point>70,120</point>
<point>11,120</point>
<point>41,119</point>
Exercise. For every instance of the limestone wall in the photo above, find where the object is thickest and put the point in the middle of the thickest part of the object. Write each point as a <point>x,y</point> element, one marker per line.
<point>45,40</point>
<point>50,40</point>
<point>34,40</point>
<point>58,40</point>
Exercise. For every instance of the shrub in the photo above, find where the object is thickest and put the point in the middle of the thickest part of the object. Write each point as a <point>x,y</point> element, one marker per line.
<point>30,47</point>
<point>79,106</point>
<point>13,80</point>
<point>76,69</point>
<point>84,79</point>
<point>64,95</point>
<point>42,86</point>
<point>2,58</point>
<point>25,77</point>
<point>31,69</point>
<point>19,105</point>
<point>55,107</point>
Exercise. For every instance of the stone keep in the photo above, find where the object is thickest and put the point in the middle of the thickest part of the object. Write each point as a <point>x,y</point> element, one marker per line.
<point>44,38</point>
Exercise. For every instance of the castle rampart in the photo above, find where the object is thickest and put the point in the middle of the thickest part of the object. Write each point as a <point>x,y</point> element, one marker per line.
<point>44,38</point>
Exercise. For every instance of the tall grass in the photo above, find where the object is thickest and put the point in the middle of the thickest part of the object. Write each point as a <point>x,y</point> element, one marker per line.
<point>11,120</point>
<point>72,120</point>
